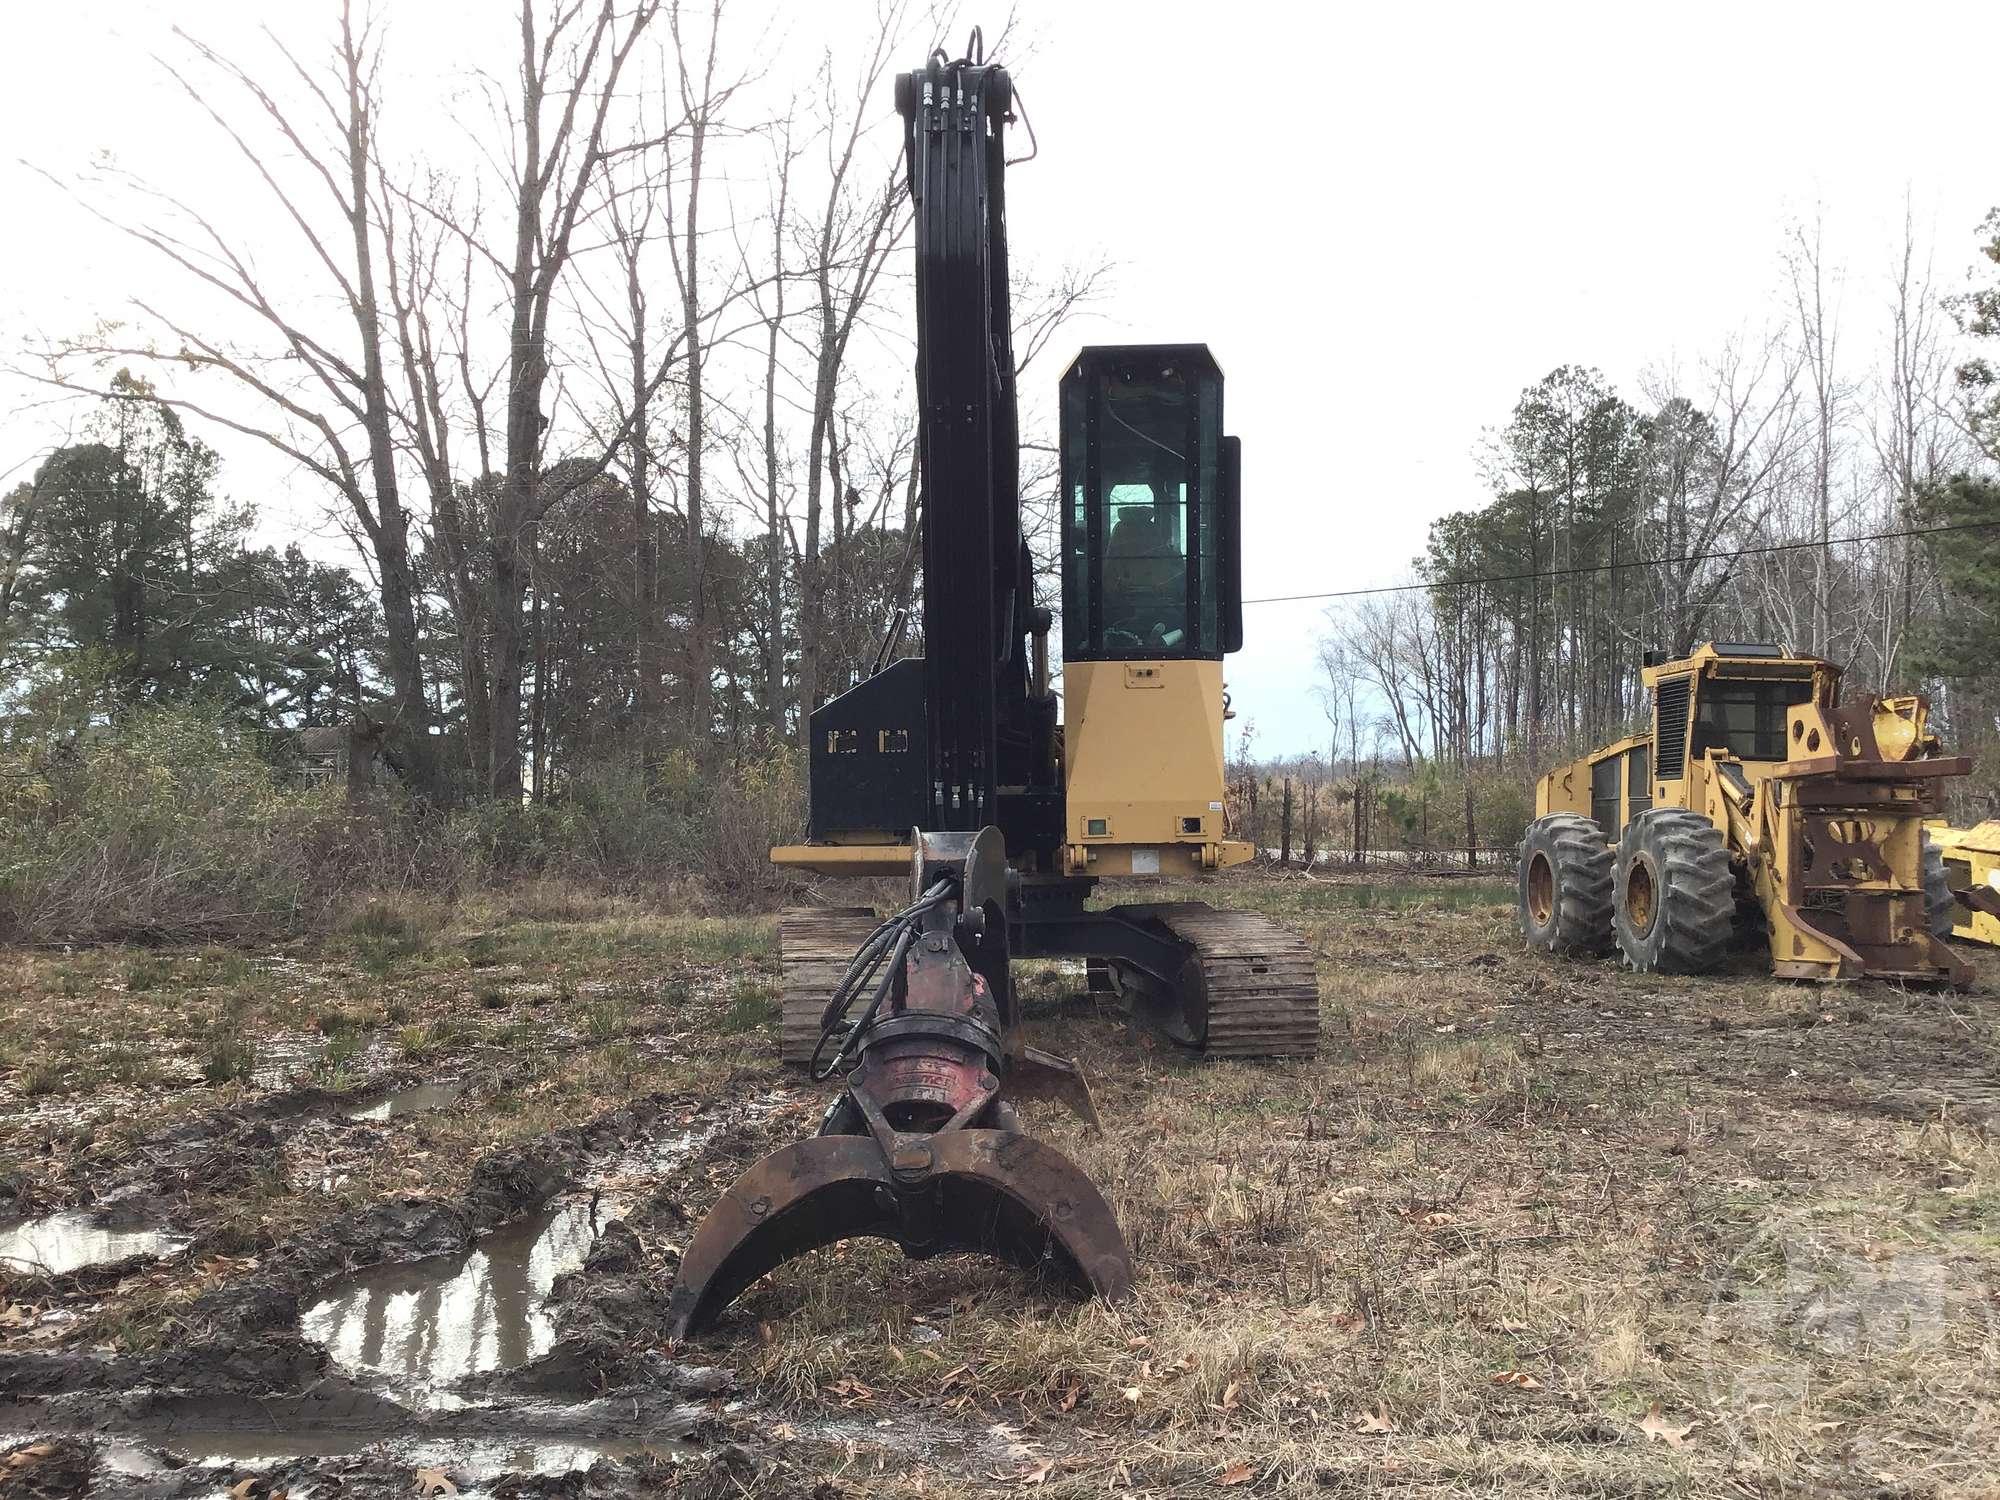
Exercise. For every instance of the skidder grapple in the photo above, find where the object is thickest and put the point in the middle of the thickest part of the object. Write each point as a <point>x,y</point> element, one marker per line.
<point>1761,793</point>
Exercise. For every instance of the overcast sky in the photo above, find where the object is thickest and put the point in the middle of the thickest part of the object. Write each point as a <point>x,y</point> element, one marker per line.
<point>1384,220</point>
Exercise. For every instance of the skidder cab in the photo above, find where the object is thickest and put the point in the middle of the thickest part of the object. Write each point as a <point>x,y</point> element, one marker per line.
<point>1761,789</point>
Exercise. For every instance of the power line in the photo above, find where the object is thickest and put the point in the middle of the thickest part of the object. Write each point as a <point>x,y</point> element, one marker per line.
<point>1637,562</point>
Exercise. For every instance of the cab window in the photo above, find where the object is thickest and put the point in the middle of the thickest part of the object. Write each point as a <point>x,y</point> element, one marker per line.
<point>1747,719</point>
<point>1142,507</point>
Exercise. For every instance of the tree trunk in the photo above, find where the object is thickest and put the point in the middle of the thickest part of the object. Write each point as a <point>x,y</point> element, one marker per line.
<point>1285,827</point>
<point>391,532</point>
<point>700,648</point>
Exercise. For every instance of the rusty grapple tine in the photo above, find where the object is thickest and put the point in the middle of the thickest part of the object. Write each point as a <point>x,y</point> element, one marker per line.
<point>986,1191</point>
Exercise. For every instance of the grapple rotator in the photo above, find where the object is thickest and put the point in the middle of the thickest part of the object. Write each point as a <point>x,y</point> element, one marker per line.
<point>923,1146</point>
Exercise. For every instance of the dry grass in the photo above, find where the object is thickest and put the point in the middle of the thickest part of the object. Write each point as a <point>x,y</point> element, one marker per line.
<point>1512,1207</point>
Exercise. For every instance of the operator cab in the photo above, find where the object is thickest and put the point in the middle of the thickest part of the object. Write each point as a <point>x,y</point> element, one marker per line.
<point>1150,534</point>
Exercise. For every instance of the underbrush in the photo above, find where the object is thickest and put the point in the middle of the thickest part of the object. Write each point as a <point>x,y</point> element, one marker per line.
<point>691,837</point>
<point>168,826</point>
<point>169,829</point>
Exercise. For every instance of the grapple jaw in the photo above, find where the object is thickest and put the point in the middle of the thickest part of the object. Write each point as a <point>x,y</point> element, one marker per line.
<point>992,1192</point>
<point>921,1148</point>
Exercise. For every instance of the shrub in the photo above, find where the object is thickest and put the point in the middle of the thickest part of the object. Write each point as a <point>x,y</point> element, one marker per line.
<point>167,826</point>
<point>613,826</point>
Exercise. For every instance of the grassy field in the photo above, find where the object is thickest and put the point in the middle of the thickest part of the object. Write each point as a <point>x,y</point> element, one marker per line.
<point>1523,1227</point>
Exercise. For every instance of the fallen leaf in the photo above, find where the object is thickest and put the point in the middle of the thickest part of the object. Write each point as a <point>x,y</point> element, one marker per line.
<point>1139,1341</point>
<point>1519,1379</point>
<point>1236,1474</point>
<point>1070,1398</point>
<point>1659,1430</point>
<point>1229,1395</point>
<point>1132,1393</point>
<point>242,1488</point>
<point>1828,1426</point>
<point>1037,1472</point>
<point>13,1315</point>
<point>434,1482</point>
<point>34,1453</point>
<point>1377,1420</point>
<point>1508,1325</point>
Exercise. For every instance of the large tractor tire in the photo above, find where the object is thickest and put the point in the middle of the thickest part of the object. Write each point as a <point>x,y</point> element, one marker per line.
<point>1940,906</point>
<point>1565,885</point>
<point>1676,904</point>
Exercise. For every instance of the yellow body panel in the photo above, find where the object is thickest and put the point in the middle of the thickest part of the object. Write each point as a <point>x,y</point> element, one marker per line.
<point>1143,770</point>
<point>1971,860</point>
<point>1566,789</point>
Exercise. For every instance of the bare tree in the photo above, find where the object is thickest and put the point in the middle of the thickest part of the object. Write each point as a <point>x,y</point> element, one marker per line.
<point>321,396</point>
<point>771,509</point>
<point>1817,329</point>
<point>1916,438</point>
<point>558,126</point>
<point>698,105</point>
<point>1714,462</point>
<point>859,227</point>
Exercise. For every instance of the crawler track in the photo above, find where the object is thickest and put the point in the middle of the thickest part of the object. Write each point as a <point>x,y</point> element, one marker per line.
<point>1261,992</point>
<point>815,945</point>
<point>1255,977</point>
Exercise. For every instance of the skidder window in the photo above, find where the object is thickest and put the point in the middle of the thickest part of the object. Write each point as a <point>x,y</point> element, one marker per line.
<point>1747,719</point>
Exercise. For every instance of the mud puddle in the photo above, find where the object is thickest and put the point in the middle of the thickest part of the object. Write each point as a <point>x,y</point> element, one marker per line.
<point>65,1242</point>
<point>644,1163</point>
<point>398,1103</point>
<point>926,1439</point>
<point>488,1456</point>
<point>426,1324</point>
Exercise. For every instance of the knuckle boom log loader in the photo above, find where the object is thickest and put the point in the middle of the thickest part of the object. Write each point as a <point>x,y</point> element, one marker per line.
<point>961,768</point>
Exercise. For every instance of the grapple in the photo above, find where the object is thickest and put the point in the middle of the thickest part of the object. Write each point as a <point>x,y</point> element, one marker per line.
<point>922,1146</point>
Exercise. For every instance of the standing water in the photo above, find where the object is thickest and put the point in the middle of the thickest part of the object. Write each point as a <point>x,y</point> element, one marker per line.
<point>67,1242</point>
<point>410,1101</point>
<point>433,1322</point>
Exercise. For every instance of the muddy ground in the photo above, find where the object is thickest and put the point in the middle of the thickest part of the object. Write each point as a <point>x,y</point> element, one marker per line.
<point>397,1211</point>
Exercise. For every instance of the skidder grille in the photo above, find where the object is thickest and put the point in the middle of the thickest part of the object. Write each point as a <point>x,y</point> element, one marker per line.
<point>1670,725</point>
